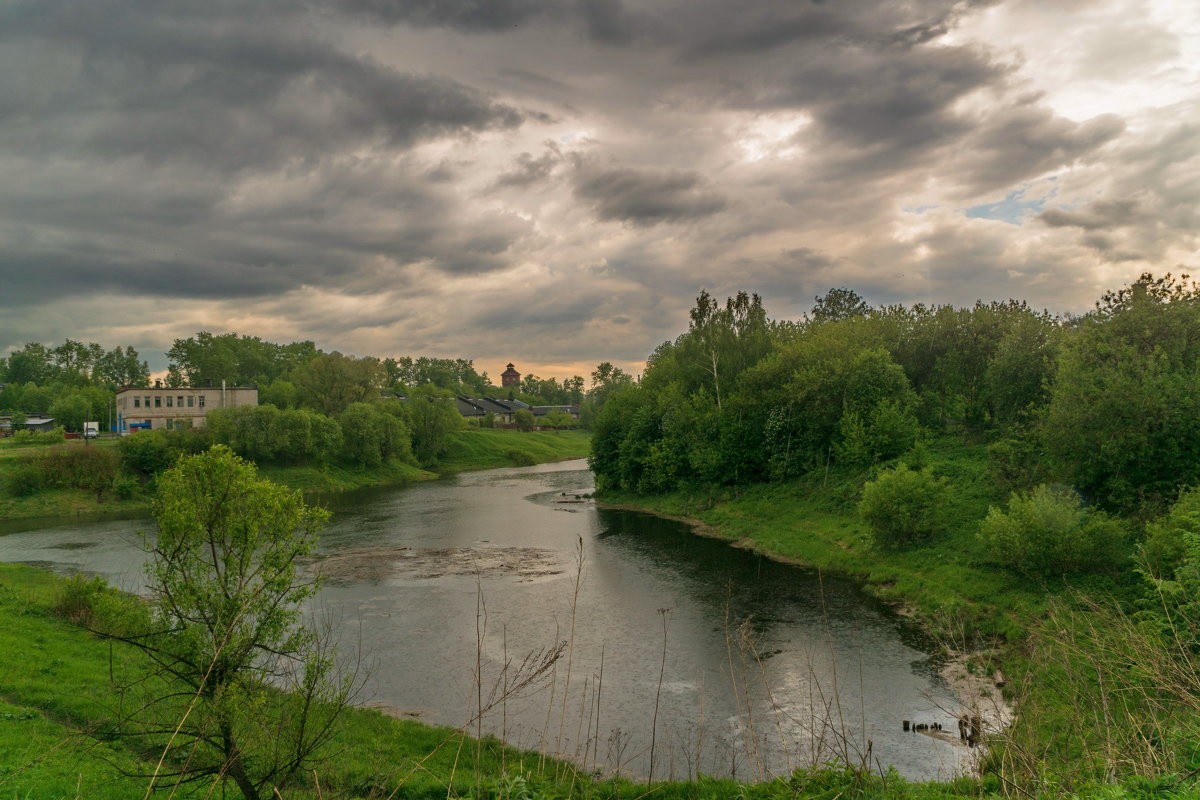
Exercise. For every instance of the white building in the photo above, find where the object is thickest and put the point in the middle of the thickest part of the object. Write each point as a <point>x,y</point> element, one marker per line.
<point>161,407</point>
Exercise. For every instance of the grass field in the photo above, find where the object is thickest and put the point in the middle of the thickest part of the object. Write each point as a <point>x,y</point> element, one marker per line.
<point>485,448</point>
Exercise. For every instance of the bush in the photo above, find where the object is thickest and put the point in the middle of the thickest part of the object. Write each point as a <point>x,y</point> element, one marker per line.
<point>903,506</point>
<point>151,452</point>
<point>90,468</point>
<point>520,458</point>
<point>24,480</point>
<point>91,603</point>
<point>56,436</point>
<point>77,599</point>
<point>1165,547</point>
<point>1048,531</point>
<point>125,486</point>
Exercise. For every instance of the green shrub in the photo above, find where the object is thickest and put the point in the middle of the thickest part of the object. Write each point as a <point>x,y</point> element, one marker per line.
<point>56,436</point>
<point>89,468</point>
<point>77,599</point>
<point>903,506</point>
<point>125,486</point>
<point>91,603</point>
<point>151,452</point>
<point>1165,546</point>
<point>520,458</point>
<point>24,480</point>
<point>1048,531</point>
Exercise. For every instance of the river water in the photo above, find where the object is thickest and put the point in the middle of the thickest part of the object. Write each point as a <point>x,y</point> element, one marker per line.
<point>680,650</point>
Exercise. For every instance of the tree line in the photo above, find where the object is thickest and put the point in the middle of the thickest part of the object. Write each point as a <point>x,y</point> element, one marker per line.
<point>1105,406</point>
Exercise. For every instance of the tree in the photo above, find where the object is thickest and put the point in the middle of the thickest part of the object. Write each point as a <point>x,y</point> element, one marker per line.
<point>524,419</point>
<point>1123,421</point>
<point>331,382</point>
<point>431,416</point>
<point>224,630</point>
<point>839,304</point>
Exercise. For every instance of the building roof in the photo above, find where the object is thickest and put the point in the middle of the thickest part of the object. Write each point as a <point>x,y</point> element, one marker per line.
<point>541,411</point>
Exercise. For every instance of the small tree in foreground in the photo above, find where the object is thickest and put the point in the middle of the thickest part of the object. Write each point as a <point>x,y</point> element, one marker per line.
<point>240,690</point>
<point>903,506</point>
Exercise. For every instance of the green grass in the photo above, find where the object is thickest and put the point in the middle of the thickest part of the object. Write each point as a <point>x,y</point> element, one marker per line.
<point>332,478</point>
<point>485,448</point>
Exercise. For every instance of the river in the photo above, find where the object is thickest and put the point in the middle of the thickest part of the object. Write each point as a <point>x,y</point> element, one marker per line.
<point>680,649</point>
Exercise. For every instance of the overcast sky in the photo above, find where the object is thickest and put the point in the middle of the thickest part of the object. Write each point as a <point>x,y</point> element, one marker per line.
<point>551,182</point>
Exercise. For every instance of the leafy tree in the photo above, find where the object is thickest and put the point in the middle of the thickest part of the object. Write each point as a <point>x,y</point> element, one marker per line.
<point>371,436</point>
<point>455,374</point>
<point>331,382</point>
<point>1123,421</point>
<point>280,393</point>
<point>431,417</point>
<point>224,631</point>
<point>119,367</point>
<point>30,364</point>
<point>71,410</point>
<point>207,357</point>
<point>839,304</point>
<point>606,378</point>
<point>723,342</point>
<point>524,419</point>
<point>903,506</point>
<point>1049,532</point>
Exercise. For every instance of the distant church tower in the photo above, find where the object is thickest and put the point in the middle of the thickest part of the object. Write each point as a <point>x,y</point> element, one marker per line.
<point>510,377</point>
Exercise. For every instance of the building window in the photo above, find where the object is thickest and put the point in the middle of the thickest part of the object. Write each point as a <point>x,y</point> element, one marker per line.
<point>168,401</point>
<point>158,401</point>
<point>137,402</point>
<point>191,400</point>
<point>147,403</point>
<point>179,401</point>
<point>201,401</point>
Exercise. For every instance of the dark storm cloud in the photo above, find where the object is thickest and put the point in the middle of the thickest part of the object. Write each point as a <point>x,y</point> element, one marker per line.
<point>1028,140</point>
<point>527,170</point>
<point>473,16</point>
<point>645,197</point>
<point>1098,216</point>
<point>600,20</point>
<point>223,95</point>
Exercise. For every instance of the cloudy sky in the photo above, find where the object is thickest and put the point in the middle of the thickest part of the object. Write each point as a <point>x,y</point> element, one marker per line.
<point>552,182</point>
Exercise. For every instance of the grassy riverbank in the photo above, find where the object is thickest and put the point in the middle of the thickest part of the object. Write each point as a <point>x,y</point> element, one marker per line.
<point>470,449</point>
<point>1097,694</point>
<point>814,521</point>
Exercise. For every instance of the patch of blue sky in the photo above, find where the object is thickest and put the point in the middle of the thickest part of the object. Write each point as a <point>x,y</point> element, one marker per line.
<point>1015,208</point>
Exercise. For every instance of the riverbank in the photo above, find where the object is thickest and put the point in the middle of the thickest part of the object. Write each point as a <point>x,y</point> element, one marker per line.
<point>1047,636</point>
<point>470,449</point>
<point>813,521</point>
